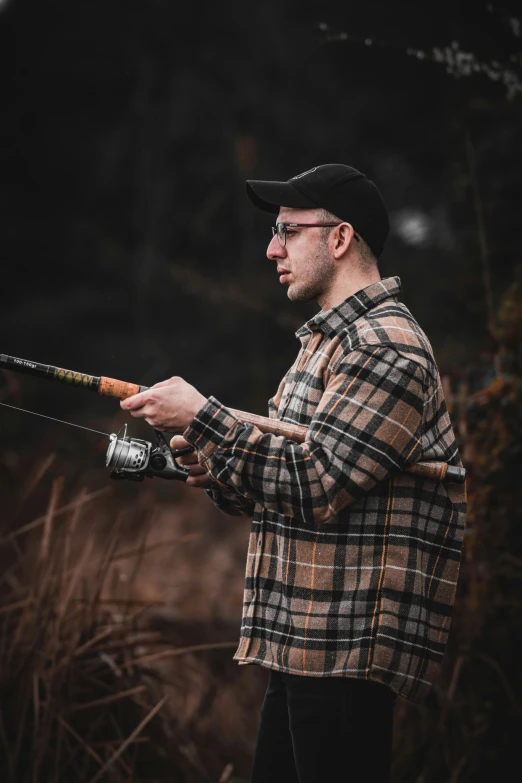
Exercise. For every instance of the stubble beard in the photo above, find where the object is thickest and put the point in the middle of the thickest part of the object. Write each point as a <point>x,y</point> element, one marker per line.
<point>318,275</point>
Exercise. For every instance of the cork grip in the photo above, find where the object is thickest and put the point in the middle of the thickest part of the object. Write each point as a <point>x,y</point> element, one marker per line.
<point>110,387</point>
<point>431,470</point>
<point>272,426</point>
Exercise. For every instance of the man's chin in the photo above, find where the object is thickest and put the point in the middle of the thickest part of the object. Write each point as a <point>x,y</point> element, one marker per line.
<point>295,294</point>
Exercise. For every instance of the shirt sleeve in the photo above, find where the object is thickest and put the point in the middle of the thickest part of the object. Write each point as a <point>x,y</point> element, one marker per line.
<point>230,502</point>
<point>366,428</point>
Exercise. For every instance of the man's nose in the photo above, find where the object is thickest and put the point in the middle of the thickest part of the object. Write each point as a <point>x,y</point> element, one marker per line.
<point>274,249</point>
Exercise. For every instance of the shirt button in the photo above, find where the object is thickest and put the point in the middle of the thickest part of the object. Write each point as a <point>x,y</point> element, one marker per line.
<point>258,542</point>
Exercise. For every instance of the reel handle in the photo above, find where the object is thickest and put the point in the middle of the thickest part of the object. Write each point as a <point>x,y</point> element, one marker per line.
<point>186,450</point>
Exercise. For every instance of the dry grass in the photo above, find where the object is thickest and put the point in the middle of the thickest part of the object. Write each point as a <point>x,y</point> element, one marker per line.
<point>99,679</point>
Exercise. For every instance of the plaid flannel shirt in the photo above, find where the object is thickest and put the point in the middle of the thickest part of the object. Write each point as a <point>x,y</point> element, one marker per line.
<point>352,563</point>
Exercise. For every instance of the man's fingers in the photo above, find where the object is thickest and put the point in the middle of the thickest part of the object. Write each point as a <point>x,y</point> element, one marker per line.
<point>201,482</point>
<point>188,459</point>
<point>178,442</point>
<point>197,470</point>
<point>135,402</point>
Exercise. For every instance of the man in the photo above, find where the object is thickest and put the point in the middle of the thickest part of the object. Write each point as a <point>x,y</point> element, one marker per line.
<point>352,563</point>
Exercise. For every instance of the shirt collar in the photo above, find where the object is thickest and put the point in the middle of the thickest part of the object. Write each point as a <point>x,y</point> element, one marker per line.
<point>338,317</point>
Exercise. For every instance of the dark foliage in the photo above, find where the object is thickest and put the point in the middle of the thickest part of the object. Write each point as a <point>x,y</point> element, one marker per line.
<point>129,249</point>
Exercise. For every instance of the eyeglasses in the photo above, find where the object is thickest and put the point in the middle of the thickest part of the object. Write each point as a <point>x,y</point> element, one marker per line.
<point>281,229</point>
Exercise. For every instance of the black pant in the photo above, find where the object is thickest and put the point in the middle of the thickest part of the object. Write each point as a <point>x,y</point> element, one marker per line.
<point>322,729</point>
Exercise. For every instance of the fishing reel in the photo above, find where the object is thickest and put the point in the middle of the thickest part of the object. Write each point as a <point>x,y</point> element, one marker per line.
<point>132,458</point>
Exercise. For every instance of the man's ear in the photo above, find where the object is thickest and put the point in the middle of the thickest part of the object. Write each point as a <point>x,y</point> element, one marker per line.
<point>343,238</point>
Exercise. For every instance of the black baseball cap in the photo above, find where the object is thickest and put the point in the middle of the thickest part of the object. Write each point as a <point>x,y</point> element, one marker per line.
<point>338,188</point>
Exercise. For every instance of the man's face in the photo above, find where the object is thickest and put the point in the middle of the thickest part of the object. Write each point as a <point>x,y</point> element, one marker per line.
<point>304,264</point>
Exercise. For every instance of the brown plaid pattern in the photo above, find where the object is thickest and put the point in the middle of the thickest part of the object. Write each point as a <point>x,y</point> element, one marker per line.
<point>352,564</point>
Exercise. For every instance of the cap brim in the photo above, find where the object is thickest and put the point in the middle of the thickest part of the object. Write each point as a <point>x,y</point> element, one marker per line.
<point>270,196</point>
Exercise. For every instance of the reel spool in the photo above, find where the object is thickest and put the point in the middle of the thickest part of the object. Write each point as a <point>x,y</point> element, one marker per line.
<point>128,454</point>
<point>135,459</point>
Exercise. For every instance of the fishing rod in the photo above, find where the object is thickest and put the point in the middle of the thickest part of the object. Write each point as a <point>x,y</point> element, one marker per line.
<point>135,459</point>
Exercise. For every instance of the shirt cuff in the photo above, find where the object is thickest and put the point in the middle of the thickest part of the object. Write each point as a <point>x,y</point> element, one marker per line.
<point>211,426</point>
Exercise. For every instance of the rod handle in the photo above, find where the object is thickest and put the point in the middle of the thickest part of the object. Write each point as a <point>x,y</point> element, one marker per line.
<point>295,432</point>
<point>111,387</point>
<point>438,471</point>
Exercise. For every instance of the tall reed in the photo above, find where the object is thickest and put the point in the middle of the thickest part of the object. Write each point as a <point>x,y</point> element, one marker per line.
<point>80,697</point>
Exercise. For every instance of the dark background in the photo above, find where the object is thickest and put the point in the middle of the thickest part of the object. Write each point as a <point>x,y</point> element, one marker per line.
<point>129,249</point>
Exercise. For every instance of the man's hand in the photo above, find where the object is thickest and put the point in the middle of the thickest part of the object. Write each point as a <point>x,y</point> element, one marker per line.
<point>197,476</point>
<point>169,406</point>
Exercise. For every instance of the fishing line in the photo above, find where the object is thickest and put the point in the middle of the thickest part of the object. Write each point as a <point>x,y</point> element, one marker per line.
<point>61,421</point>
<point>133,458</point>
